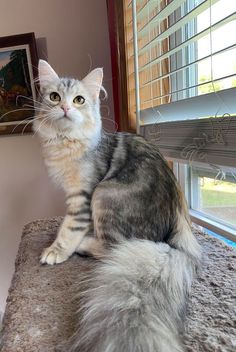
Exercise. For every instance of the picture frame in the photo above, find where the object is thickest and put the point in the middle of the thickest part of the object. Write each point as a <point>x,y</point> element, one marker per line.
<point>18,71</point>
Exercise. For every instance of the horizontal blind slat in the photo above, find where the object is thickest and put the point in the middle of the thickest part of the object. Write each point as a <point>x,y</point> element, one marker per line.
<point>149,6</point>
<point>142,9</point>
<point>184,67</point>
<point>191,87</point>
<point>179,24</point>
<point>167,11</point>
<point>193,39</point>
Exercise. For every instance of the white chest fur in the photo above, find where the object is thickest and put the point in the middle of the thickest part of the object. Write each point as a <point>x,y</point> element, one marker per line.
<point>67,164</point>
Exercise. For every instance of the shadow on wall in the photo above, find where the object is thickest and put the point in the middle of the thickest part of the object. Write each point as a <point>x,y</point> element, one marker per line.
<point>42,48</point>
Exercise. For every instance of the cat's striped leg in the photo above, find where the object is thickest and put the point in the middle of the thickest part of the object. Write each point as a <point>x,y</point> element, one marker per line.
<point>91,246</point>
<point>68,239</point>
<point>76,224</point>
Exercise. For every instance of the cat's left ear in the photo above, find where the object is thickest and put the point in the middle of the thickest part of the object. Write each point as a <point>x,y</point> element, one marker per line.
<point>93,82</point>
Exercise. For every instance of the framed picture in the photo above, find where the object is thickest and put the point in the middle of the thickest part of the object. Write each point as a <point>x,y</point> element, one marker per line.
<point>18,70</point>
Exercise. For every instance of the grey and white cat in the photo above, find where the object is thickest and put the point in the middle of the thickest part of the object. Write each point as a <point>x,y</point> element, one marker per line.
<point>125,209</point>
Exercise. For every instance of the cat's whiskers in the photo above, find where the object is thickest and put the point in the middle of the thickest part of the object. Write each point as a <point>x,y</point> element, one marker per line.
<point>29,98</point>
<point>27,120</point>
<point>27,108</point>
<point>44,102</point>
<point>36,103</point>
<point>51,125</point>
<point>39,94</point>
<point>42,123</point>
<point>36,108</point>
<point>12,111</point>
<point>35,119</point>
<point>23,130</point>
<point>23,122</point>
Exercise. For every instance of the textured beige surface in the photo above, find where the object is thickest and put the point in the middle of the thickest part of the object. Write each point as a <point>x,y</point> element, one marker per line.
<point>41,309</point>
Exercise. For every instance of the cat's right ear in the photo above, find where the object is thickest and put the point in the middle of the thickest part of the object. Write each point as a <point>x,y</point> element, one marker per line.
<point>46,74</point>
<point>93,82</point>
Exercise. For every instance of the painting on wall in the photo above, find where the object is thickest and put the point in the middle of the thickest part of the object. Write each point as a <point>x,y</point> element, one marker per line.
<point>18,61</point>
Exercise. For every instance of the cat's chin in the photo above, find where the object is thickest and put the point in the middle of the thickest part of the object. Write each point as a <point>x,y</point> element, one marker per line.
<point>55,131</point>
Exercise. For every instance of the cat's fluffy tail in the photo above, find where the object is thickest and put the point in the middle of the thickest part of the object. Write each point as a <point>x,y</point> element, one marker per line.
<point>136,299</point>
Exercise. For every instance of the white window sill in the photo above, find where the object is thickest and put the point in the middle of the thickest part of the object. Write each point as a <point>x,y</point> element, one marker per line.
<point>202,220</point>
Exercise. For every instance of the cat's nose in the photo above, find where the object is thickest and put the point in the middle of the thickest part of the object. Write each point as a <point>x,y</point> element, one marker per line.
<point>65,109</point>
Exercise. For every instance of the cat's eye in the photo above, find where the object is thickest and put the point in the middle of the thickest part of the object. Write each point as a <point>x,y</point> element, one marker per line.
<point>79,100</point>
<point>55,97</point>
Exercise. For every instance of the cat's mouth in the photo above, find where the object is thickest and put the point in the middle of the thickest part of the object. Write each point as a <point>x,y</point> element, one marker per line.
<point>66,117</point>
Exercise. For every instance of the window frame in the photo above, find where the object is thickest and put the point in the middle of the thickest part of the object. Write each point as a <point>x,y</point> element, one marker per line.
<point>183,175</point>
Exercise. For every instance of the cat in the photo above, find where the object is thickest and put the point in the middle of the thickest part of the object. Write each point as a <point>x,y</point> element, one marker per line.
<point>124,208</point>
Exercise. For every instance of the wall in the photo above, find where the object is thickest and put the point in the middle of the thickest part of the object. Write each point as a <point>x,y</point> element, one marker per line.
<point>25,194</point>
<point>68,32</point>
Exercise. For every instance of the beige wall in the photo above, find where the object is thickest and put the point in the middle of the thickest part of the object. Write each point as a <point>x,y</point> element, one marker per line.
<point>25,194</point>
<point>72,30</point>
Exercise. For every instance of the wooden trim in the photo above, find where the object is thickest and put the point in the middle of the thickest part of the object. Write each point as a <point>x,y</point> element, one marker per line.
<point>118,62</point>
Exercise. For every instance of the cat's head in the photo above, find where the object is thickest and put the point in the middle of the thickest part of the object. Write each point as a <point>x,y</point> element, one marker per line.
<point>68,107</point>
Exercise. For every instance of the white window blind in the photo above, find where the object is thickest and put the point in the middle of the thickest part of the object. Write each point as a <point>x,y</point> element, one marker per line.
<point>181,60</point>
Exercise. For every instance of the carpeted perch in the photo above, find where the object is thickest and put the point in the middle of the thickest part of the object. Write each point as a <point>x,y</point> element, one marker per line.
<point>40,311</point>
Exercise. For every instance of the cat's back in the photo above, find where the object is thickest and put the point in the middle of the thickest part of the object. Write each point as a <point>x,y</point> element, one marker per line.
<point>135,157</point>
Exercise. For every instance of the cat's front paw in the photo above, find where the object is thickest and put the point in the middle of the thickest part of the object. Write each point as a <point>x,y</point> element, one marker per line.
<point>53,255</point>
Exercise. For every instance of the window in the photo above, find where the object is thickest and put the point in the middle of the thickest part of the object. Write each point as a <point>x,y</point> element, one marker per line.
<point>175,50</point>
<point>181,67</point>
<point>214,195</point>
<point>211,195</point>
<point>181,79</point>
